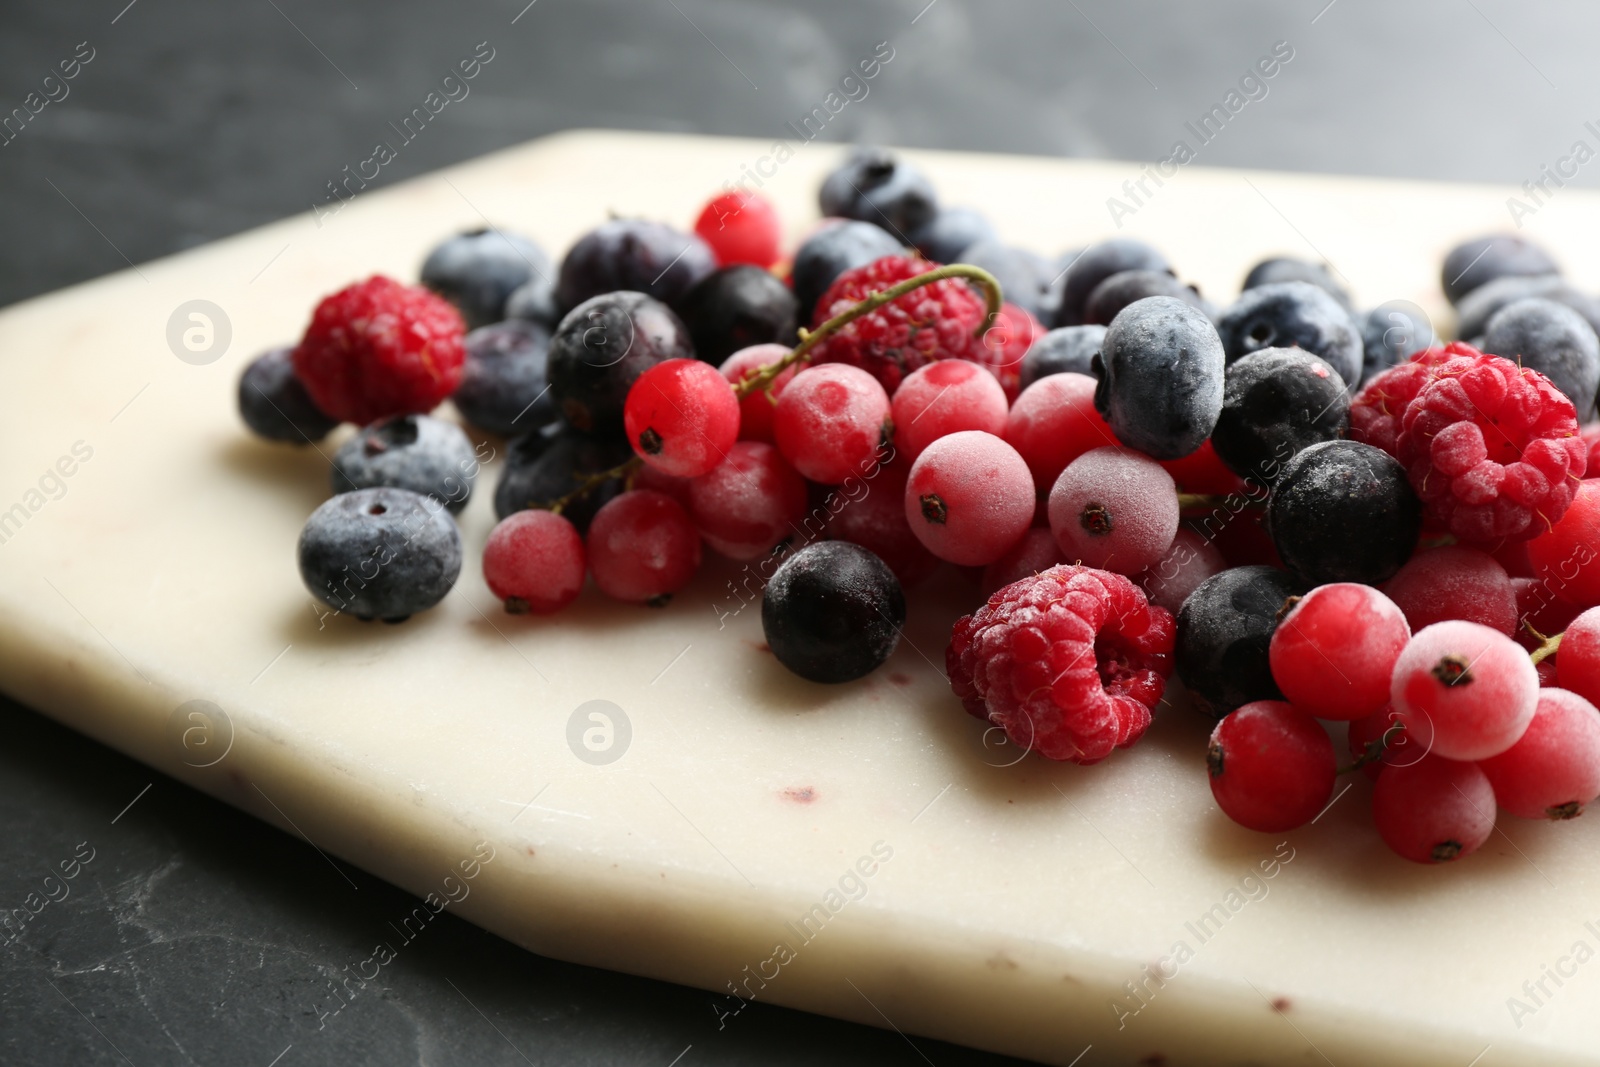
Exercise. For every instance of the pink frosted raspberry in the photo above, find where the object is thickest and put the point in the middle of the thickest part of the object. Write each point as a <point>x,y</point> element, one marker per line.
<point>1070,662</point>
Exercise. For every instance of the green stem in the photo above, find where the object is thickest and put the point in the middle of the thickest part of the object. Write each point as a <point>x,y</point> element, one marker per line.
<point>1548,646</point>
<point>763,378</point>
<point>589,484</point>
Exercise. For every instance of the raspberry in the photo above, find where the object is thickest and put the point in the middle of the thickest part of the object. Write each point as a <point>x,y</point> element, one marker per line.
<point>937,321</point>
<point>379,348</point>
<point>681,417</point>
<point>1272,766</point>
<point>534,561</point>
<point>1070,663</point>
<point>944,398</point>
<point>1491,448</point>
<point>969,498</point>
<point>741,227</point>
<point>1553,772</point>
<point>1434,810</point>
<point>1005,343</point>
<point>1115,509</point>
<point>1465,688</point>
<point>642,547</point>
<point>1334,652</point>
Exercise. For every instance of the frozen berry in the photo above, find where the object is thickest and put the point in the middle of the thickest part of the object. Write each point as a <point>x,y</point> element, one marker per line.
<point>840,245</point>
<point>1343,512</point>
<point>757,406</point>
<point>1224,630</point>
<point>832,612</point>
<point>734,308</point>
<point>1471,688</point>
<point>1293,315</point>
<point>1005,344</point>
<point>380,553</point>
<point>936,321</point>
<point>1392,333</point>
<point>1578,662</point>
<point>1202,471</point>
<point>1481,305</point>
<point>1070,662</point>
<point>504,386</point>
<point>952,231</point>
<point>1379,740</point>
<point>1114,509</point>
<point>873,185</point>
<point>275,405</point>
<point>534,561</point>
<point>380,348</point>
<point>1024,275</point>
<point>535,301</point>
<point>1474,263</point>
<point>1553,771</point>
<point>636,255</point>
<point>1552,339</point>
<point>1035,553</point>
<point>478,270</point>
<point>741,227</point>
<point>750,502</point>
<point>831,422</point>
<point>601,348</point>
<point>682,417</point>
<point>1066,349</point>
<point>969,498</point>
<point>1455,582</point>
<point>642,547</point>
<point>1161,372</point>
<point>1334,652</point>
<point>415,452</point>
<point>1288,269</point>
<point>1276,402</point>
<point>1271,766</point>
<point>1189,562</point>
<point>1565,557</point>
<point>943,398</point>
<point>544,466</point>
<point>871,512</point>
<point>1097,263</point>
<point>1434,810</point>
<point>1054,422</point>
<point>1120,290</point>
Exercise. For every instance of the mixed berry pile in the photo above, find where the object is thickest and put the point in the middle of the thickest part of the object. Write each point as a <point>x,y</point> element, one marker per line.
<point>1313,515</point>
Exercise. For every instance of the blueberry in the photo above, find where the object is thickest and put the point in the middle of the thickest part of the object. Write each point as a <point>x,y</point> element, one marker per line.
<point>601,348</point>
<point>1124,287</point>
<point>1390,334</point>
<point>737,307</point>
<point>1224,629</point>
<point>504,388</point>
<point>1344,512</point>
<point>1097,263</point>
<point>477,271</point>
<point>380,553</point>
<point>1161,368</point>
<point>1293,314</point>
<point>832,612</point>
<point>1275,403</point>
<point>949,233</point>
<point>546,465</point>
<point>1474,263</point>
<point>830,252</point>
<point>871,185</point>
<point>1479,306</point>
<point>1063,349</point>
<point>1289,269</point>
<point>1552,339</point>
<point>535,301</point>
<point>636,254</point>
<point>275,405</point>
<point>1024,276</point>
<point>416,452</point>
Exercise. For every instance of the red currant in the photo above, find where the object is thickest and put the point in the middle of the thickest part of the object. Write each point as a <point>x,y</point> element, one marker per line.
<point>871,513</point>
<point>756,407</point>
<point>1553,771</point>
<point>682,417</point>
<point>969,498</point>
<point>642,547</point>
<point>1380,734</point>
<point>1334,653</point>
<point>747,504</point>
<point>1455,582</point>
<point>943,398</point>
<point>831,422</point>
<point>534,561</point>
<point>1272,766</point>
<point>1036,552</point>
<point>1578,662</point>
<point>1054,422</point>
<point>1567,556</point>
<point>1471,688</point>
<point>741,227</point>
<point>1115,509</point>
<point>1434,810</point>
<point>1191,560</point>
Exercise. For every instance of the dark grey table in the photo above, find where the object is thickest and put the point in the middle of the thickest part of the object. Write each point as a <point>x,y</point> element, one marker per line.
<point>196,935</point>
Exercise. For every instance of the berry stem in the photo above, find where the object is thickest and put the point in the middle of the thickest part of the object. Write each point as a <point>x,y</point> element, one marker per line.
<point>1190,501</point>
<point>810,339</point>
<point>1374,750</point>
<point>590,483</point>
<point>1548,646</point>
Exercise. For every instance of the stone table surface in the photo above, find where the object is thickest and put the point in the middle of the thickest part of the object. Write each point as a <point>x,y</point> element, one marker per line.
<point>195,934</point>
